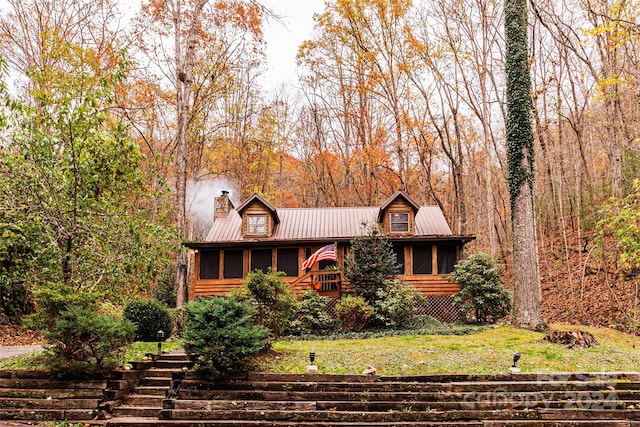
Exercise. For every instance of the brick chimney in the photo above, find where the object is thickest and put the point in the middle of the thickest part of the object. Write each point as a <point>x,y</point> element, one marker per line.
<point>222,205</point>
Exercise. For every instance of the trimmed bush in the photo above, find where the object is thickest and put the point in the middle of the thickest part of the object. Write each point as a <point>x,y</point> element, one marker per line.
<point>275,305</point>
<point>149,316</point>
<point>220,336</point>
<point>312,317</point>
<point>354,313</point>
<point>482,295</point>
<point>395,304</point>
<point>80,337</point>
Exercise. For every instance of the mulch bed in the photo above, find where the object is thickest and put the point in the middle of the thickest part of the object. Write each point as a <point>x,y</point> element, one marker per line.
<point>12,333</point>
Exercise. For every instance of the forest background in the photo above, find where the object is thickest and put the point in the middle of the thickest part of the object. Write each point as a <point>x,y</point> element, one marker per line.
<point>112,136</point>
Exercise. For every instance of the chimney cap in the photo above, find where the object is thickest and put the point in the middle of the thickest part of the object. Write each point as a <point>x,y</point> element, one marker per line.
<point>225,193</point>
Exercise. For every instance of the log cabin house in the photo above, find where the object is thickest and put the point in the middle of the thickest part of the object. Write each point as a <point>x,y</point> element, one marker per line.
<point>256,235</point>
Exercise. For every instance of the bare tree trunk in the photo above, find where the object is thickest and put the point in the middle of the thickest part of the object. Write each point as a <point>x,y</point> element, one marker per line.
<point>184,83</point>
<point>526,299</point>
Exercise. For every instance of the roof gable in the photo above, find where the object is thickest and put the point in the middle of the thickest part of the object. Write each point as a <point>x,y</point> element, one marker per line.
<point>398,194</point>
<point>263,202</point>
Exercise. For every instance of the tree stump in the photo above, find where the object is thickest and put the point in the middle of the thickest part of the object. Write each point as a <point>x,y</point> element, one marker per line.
<point>572,339</point>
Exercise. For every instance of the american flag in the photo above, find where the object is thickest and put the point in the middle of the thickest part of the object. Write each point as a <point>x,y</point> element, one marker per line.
<point>325,253</point>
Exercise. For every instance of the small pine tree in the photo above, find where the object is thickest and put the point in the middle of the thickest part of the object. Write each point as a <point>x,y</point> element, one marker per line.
<point>481,290</point>
<point>371,264</point>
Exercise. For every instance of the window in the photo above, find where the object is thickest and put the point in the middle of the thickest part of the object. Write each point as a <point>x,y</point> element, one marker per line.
<point>399,251</point>
<point>288,261</point>
<point>399,222</point>
<point>233,264</point>
<point>446,258</point>
<point>209,264</point>
<point>256,224</point>
<point>260,259</point>
<point>422,257</point>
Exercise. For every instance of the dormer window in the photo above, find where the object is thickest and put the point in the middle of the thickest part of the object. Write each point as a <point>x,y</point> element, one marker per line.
<point>399,222</point>
<point>257,224</point>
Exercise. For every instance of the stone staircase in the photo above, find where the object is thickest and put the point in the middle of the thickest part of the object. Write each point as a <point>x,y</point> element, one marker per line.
<point>143,398</point>
<point>28,396</point>
<point>534,400</point>
<point>160,392</point>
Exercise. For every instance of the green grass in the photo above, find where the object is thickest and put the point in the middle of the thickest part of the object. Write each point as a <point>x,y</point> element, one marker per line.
<point>487,351</point>
<point>135,351</point>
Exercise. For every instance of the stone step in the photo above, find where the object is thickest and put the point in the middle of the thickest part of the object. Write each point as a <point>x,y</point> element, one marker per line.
<point>410,386</point>
<point>396,405</point>
<point>161,373</point>
<point>144,422</point>
<point>151,390</point>
<point>7,403</point>
<point>172,364</point>
<point>46,414</point>
<point>156,382</point>
<point>447,378</point>
<point>432,396</point>
<point>137,411</point>
<point>51,383</point>
<point>549,415</point>
<point>143,400</point>
<point>174,356</point>
<point>32,393</point>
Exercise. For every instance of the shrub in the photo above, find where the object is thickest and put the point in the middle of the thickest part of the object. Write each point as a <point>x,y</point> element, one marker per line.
<point>481,291</point>
<point>395,304</point>
<point>220,336</point>
<point>313,316</point>
<point>80,337</point>
<point>273,300</point>
<point>87,341</point>
<point>354,313</point>
<point>149,316</point>
<point>371,264</point>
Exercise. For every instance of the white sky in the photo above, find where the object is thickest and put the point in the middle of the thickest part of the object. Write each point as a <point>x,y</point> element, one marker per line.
<point>283,38</point>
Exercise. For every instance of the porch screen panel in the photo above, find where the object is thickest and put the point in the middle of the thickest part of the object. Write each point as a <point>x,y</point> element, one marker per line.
<point>209,264</point>
<point>233,264</point>
<point>446,258</point>
<point>399,251</point>
<point>422,258</point>
<point>260,259</point>
<point>288,261</point>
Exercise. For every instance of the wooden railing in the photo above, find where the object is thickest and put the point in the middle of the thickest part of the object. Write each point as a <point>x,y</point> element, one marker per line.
<point>325,282</point>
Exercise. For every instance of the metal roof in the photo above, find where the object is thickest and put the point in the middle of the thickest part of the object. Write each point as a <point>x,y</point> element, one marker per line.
<point>325,224</point>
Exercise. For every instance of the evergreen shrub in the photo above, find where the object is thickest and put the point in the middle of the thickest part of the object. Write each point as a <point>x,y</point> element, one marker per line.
<point>482,295</point>
<point>149,316</point>
<point>395,304</point>
<point>220,336</point>
<point>80,337</point>
<point>354,313</point>
<point>313,316</point>
<point>371,264</point>
<point>274,302</point>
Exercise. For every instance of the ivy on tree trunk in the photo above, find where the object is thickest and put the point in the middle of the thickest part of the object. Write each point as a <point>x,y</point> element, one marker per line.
<point>526,304</point>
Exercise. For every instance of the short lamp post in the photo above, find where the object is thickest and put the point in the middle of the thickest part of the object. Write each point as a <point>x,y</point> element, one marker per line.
<point>312,356</point>
<point>516,357</point>
<point>160,336</point>
<point>514,369</point>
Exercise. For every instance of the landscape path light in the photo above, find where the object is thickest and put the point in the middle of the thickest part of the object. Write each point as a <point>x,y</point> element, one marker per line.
<point>514,369</point>
<point>160,336</point>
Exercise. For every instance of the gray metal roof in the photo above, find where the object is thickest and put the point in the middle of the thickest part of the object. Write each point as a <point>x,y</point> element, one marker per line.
<point>326,224</point>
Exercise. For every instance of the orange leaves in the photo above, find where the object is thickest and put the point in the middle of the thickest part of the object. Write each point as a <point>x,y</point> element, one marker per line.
<point>245,15</point>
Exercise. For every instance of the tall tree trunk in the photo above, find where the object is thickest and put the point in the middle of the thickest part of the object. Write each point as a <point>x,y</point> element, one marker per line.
<point>526,304</point>
<point>184,83</point>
